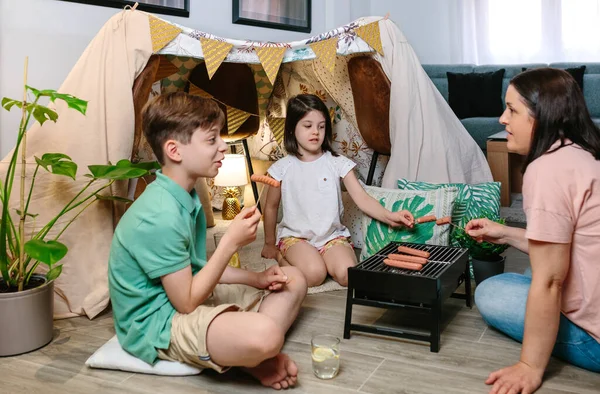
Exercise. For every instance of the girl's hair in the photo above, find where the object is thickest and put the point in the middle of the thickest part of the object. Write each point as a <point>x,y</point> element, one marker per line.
<point>556,103</point>
<point>297,108</point>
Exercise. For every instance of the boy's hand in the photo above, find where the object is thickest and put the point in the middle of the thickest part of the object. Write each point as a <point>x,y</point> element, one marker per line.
<point>242,229</point>
<point>400,218</point>
<point>270,251</point>
<point>273,278</point>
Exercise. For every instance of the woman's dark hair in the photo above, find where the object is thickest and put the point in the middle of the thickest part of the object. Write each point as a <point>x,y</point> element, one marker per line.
<point>297,108</point>
<point>556,103</point>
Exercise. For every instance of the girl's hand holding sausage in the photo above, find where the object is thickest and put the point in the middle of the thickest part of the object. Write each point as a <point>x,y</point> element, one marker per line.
<point>400,218</point>
<point>486,230</point>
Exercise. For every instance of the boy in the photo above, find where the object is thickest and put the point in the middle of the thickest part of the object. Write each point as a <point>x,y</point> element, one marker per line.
<point>168,301</point>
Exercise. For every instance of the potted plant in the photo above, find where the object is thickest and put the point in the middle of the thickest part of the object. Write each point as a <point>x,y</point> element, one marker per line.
<point>27,296</point>
<point>486,258</point>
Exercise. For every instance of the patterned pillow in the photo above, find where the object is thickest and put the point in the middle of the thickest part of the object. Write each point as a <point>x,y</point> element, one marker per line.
<point>471,201</point>
<point>352,219</point>
<point>438,202</point>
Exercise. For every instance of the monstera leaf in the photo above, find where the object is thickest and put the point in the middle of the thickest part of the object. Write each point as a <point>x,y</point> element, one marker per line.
<point>472,200</point>
<point>378,234</point>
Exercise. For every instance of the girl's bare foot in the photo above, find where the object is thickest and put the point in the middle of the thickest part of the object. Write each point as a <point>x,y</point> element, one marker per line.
<point>279,372</point>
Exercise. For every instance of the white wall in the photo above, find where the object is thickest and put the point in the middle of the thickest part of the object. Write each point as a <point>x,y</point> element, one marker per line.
<point>54,34</point>
<point>429,26</point>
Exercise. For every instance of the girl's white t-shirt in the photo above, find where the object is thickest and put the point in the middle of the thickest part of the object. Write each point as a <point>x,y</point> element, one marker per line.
<point>311,196</point>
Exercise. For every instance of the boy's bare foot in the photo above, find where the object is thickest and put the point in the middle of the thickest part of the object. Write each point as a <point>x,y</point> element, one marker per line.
<point>279,372</point>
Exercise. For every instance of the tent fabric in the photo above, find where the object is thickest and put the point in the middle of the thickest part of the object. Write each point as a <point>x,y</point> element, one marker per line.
<point>429,143</point>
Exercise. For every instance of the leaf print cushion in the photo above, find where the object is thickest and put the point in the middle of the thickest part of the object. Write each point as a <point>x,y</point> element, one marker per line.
<point>472,200</point>
<point>438,202</point>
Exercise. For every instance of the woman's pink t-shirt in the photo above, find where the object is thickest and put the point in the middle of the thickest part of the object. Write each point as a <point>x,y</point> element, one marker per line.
<point>561,199</point>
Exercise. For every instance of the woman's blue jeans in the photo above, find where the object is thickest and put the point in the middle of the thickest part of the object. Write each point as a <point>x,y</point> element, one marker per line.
<point>501,301</point>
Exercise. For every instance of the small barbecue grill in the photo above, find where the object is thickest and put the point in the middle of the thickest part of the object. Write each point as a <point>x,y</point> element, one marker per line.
<point>373,283</point>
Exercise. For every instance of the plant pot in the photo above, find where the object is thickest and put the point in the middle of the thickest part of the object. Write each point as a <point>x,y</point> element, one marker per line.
<point>483,269</point>
<point>26,318</point>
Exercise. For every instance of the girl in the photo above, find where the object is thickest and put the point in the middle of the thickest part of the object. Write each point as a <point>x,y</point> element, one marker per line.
<point>311,236</point>
<point>556,309</point>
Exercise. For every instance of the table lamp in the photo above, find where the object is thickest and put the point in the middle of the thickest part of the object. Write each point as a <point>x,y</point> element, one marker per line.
<point>231,175</point>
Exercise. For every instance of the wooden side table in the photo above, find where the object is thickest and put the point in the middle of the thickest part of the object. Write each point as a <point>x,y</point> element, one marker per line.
<point>506,169</point>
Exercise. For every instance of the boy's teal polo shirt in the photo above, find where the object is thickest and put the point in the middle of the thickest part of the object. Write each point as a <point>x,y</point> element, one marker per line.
<point>162,232</point>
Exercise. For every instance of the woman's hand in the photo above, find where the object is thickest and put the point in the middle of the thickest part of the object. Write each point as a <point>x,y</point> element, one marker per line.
<point>273,278</point>
<point>400,218</point>
<point>270,251</point>
<point>486,230</point>
<point>519,378</point>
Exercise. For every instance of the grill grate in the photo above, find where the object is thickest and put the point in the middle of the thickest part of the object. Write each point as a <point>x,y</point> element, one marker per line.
<point>441,257</point>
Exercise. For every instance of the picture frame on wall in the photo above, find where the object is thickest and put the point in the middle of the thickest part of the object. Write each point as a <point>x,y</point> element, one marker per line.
<point>294,15</point>
<point>166,7</point>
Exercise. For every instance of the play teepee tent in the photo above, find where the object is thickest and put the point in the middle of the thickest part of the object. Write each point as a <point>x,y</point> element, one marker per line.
<point>136,55</point>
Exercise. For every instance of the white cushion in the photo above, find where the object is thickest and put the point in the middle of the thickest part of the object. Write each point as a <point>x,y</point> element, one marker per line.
<point>112,356</point>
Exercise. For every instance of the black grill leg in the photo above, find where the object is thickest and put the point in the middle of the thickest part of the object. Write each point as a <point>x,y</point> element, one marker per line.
<point>436,316</point>
<point>468,290</point>
<point>348,319</point>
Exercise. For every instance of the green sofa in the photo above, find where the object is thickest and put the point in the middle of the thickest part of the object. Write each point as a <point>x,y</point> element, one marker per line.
<point>481,128</point>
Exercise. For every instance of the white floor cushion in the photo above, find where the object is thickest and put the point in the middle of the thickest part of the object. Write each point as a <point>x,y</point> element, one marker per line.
<point>112,356</point>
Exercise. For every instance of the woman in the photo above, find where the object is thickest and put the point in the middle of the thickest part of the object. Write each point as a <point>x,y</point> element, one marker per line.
<point>556,310</point>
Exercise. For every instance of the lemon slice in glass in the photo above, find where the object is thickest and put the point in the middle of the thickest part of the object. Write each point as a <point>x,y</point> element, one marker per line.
<point>321,354</point>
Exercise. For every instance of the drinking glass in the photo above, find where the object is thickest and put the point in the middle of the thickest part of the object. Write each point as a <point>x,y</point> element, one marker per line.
<point>325,351</point>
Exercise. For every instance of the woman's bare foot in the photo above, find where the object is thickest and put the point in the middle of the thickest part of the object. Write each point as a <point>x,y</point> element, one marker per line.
<point>279,372</point>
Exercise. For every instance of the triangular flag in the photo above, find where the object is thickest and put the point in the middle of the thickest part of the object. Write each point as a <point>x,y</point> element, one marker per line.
<point>326,52</point>
<point>277,126</point>
<point>161,33</point>
<point>370,33</point>
<point>235,118</point>
<point>196,91</point>
<point>270,58</point>
<point>214,53</point>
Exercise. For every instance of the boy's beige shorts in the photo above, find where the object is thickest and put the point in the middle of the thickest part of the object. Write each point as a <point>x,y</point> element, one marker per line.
<point>188,331</point>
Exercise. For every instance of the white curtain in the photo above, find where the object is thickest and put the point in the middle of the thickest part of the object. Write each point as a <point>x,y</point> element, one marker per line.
<point>527,31</point>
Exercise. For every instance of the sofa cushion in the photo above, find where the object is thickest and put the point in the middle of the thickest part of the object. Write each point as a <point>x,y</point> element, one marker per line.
<point>475,94</point>
<point>439,202</point>
<point>481,128</point>
<point>437,74</point>
<point>576,73</point>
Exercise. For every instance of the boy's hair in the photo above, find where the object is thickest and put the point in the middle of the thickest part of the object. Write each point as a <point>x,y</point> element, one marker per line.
<point>177,116</point>
<point>297,108</point>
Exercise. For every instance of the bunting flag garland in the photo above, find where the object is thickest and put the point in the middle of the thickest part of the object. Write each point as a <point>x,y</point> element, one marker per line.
<point>270,58</point>
<point>235,118</point>
<point>277,126</point>
<point>196,91</point>
<point>370,33</point>
<point>161,33</point>
<point>326,52</point>
<point>214,53</point>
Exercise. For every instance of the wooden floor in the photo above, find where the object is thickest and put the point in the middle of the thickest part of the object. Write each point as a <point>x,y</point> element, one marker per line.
<point>469,351</point>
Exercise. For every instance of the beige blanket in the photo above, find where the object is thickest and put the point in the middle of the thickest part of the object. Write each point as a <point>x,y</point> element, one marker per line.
<point>104,75</point>
<point>429,143</point>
